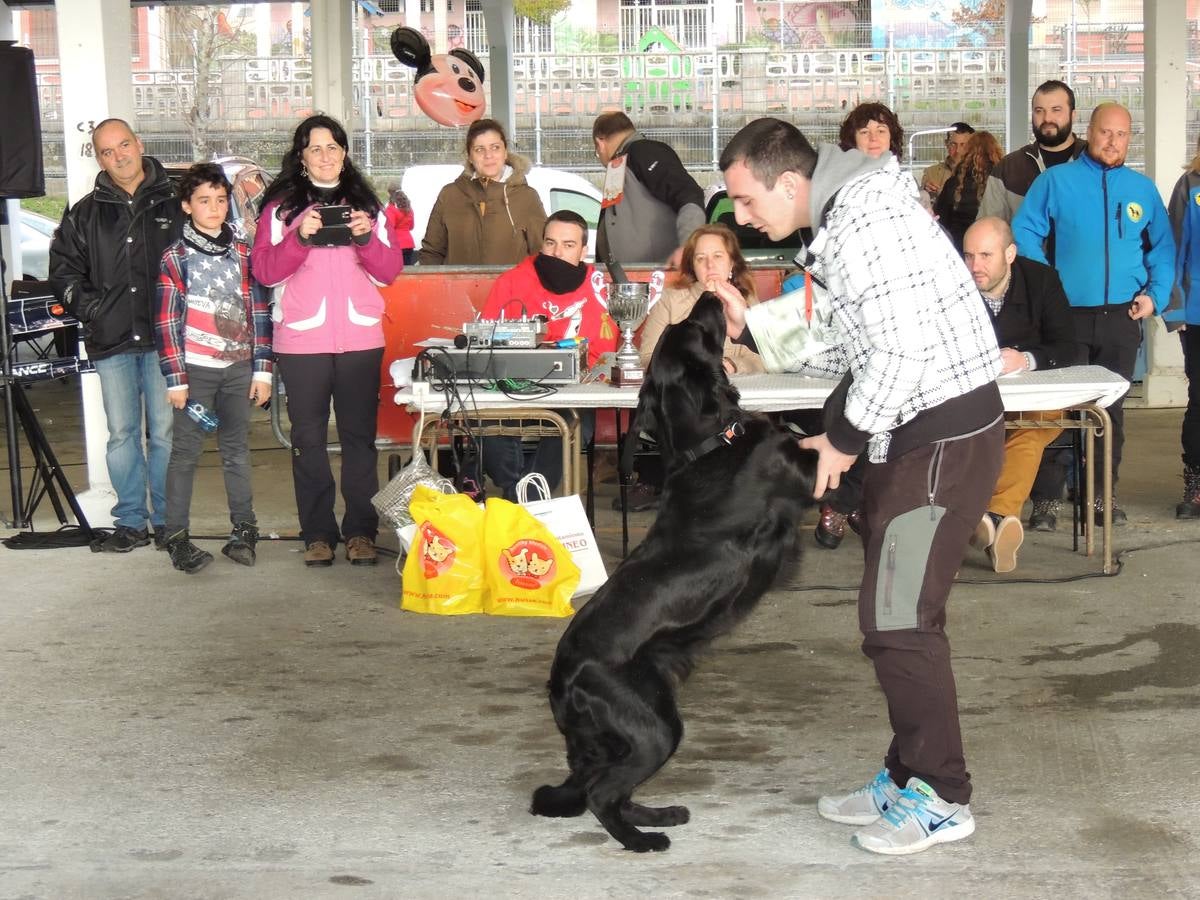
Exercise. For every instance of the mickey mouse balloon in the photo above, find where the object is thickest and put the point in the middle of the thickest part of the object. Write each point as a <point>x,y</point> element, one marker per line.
<point>449,86</point>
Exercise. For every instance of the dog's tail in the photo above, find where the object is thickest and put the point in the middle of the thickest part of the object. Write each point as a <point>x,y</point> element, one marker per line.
<point>566,800</point>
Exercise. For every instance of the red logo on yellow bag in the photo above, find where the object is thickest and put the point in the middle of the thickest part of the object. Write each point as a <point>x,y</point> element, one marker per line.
<point>527,564</point>
<point>437,551</point>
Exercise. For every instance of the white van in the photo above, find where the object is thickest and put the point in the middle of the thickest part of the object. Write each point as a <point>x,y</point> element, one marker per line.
<point>558,190</point>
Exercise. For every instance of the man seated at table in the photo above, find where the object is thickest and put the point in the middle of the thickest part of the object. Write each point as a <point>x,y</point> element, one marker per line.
<point>571,294</point>
<point>1032,318</point>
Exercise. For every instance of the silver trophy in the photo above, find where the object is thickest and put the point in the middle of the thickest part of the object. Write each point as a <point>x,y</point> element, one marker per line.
<point>627,303</point>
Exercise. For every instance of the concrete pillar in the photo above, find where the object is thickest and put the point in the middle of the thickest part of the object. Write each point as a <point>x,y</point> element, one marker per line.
<point>297,21</point>
<point>332,59</point>
<point>439,42</point>
<point>93,52</point>
<point>1166,151</point>
<point>154,38</point>
<point>1016,51</point>
<point>498,20</point>
<point>412,14</point>
<point>262,30</point>
<point>9,244</point>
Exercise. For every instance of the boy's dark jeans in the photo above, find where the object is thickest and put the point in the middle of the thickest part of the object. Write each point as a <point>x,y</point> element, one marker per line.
<point>225,393</point>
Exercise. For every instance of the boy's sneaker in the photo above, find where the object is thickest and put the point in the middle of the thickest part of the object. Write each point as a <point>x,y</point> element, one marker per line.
<point>863,806</point>
<point>319,554</point>
<point>241,543</point>
<point>916,821</point>
<point>360,550</point>
<point>123,539</point>
<point>186,556</point>
<point>160,537</point>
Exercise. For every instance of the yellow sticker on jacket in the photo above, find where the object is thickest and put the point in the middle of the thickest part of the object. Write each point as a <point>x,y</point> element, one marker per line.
<point>1134,211</point>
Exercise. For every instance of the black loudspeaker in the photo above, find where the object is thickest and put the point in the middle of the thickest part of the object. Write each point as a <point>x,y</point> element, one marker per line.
<point>21,172</point>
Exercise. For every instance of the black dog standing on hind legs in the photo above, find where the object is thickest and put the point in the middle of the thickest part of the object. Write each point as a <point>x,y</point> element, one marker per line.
<point>735,490</point>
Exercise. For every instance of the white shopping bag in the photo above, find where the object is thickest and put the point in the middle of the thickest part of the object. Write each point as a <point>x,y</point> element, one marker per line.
<point>567,521</point>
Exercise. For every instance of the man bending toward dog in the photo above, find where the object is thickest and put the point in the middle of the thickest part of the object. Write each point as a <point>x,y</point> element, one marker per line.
<point>918,361</point>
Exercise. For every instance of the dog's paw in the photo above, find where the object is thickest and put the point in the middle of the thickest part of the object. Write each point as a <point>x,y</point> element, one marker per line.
<point>655,816</point>
<point>558,802</point>
<point>675,815</point>
<point>648,842</point>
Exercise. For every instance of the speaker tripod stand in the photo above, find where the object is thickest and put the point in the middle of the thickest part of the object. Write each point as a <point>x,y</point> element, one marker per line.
<point>48,479</point>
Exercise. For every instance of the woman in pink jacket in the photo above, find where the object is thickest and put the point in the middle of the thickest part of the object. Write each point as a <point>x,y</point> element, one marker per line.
<point>324,246</point>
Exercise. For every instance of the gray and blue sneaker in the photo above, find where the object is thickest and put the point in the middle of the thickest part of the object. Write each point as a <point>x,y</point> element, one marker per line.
<point>863,806</point>
<point>916,821</point>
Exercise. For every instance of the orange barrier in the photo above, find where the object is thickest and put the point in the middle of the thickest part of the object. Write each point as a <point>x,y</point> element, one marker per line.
<point>435,301</point>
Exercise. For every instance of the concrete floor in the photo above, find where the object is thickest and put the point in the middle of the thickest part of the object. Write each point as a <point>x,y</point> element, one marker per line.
<point>289,733</point>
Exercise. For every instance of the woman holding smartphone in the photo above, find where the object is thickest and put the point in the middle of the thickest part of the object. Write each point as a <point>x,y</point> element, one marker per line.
<point>324,246</point>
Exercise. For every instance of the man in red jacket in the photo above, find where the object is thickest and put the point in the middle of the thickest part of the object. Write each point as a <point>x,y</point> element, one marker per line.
<point>571,294</point>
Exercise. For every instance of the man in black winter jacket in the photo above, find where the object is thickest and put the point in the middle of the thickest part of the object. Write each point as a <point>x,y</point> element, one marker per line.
<point>104,265</point>
<point>651,204</point>
<point>1034,329</point>
<point>1054,143</point>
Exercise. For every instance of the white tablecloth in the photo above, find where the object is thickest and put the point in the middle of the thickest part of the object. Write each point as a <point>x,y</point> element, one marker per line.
<point>1025,392</point>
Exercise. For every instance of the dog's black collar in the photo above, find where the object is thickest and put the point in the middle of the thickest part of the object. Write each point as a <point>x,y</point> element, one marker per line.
<point>724,437</point>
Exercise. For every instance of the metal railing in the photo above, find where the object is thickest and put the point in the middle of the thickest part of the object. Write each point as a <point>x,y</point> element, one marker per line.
<point>694,100</point>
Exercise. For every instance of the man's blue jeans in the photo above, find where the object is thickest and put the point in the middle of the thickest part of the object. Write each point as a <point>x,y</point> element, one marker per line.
<point>129,383</point>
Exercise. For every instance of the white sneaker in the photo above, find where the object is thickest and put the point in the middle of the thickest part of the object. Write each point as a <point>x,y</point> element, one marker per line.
<point>863,806</point>
<point>917,820</point>
<point>985,533</point>
<point>1003,550</point>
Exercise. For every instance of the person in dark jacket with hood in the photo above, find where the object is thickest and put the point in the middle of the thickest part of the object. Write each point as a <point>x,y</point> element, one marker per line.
<point>650,205</point>
<point>1054,143</point>
<point>104,264</point>
<point>1032,318</point>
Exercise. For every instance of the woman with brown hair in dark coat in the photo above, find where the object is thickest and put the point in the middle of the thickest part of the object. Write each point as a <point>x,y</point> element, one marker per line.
<point>489,215</point>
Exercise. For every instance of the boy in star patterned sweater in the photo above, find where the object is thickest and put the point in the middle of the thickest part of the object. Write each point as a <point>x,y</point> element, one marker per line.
<point>213,335</point>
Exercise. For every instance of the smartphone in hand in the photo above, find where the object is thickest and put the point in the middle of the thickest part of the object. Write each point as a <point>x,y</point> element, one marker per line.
<point>335,226</point>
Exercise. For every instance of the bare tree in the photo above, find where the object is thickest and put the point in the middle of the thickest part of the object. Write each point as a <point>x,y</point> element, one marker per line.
<point>202,37</point>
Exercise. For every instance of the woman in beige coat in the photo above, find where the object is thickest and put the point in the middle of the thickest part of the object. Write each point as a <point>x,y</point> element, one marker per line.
<point>712,261</point>
<point>489,215</point>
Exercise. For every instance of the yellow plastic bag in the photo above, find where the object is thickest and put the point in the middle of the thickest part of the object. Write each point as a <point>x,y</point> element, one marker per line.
<point>529,572</point>
<point>443,574</point>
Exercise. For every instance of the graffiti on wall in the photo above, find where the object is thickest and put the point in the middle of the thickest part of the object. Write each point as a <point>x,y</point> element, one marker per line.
<point>809,25</point>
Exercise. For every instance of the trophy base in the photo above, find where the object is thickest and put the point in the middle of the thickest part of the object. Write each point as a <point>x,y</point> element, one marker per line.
<point>626,377</point>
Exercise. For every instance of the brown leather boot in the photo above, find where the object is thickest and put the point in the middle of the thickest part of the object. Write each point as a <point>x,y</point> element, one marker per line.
<point>318,553</point>
<point>360,550</point>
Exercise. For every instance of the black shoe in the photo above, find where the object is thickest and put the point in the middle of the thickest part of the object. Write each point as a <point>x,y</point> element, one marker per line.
<point>186,556</point>
<point>640,496</point>
<point>124,539</point>
<point>160,537</point>
<point>1189,508</point>
<point>831,528</point>
<point>1044,516</point>
<point>1118,514</point>
<point>241,544</point>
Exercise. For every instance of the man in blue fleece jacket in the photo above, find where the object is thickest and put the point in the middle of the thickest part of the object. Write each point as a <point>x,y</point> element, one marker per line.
<point>1113,250</point>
